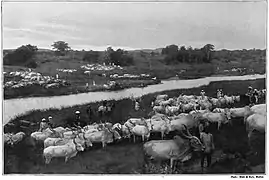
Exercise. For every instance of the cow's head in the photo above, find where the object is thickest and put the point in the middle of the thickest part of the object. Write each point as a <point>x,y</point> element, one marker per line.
<point>83,140</point>
<point>116,135</point>
<point>79,147</point>
<point>195,143</point>
<point>117,126</point>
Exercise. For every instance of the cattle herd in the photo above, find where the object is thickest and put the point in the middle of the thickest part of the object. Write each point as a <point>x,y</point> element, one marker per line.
<point>19,79</point>
<point>177,114</point>
<point>100,67</point>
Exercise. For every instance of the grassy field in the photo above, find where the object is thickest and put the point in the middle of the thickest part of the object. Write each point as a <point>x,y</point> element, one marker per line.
<point>127,157</point>
<point>144,63</point>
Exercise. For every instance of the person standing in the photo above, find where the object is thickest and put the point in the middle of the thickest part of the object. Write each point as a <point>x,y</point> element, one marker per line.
<point>50,123</point>
<point>202,93</point>
<point>89,113</point>
<point>201,128</point>
<point>137,105</point>
<point>218,93</point>
<point>207,141</point>
<point>43,125</point>
<point>77,123</point>
<point>221,93</point>
<point>250,93</point>
<point>256,94</point>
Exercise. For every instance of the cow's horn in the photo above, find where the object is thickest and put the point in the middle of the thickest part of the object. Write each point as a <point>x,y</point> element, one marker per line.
<point>183,133</point>
<point>188,132</point>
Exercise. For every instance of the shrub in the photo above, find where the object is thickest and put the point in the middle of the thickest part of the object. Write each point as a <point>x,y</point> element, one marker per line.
<point>20,56</point>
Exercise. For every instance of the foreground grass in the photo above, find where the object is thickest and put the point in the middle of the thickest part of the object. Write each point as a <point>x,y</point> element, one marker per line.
<point>127,157</point>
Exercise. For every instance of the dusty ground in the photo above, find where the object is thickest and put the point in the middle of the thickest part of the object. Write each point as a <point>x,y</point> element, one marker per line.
<point>127,157</point>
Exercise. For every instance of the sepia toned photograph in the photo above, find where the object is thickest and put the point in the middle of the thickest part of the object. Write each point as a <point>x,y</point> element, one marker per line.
<point>151,88</point>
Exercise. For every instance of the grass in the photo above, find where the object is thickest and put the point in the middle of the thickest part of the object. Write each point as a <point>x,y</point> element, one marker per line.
<point>128,157</point>
<point>146,64</point>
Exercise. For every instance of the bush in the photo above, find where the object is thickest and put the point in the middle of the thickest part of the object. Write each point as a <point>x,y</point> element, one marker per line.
<point>20,56</point>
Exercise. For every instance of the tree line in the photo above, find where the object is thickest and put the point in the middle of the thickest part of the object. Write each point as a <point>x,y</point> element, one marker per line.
<point>174,54</point>
<point>25,55</point>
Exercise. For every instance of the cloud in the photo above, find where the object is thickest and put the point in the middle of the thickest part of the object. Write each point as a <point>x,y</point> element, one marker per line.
<point>139,25</point>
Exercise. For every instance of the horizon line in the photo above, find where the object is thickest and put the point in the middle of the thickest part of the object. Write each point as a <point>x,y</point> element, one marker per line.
<point>134,49</point>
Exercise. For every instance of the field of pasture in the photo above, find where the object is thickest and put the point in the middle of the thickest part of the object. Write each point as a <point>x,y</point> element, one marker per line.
<point>231,153</point>
<point>70,69</point>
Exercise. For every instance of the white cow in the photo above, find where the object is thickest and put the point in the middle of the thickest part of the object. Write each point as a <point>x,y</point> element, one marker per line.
<point>255,122</point>
<point>80,138</point>
<point>240,112</point>
<point>162,97</point>
<point>170,101</point>
<point>259,108</point>
<point>41,136</point>
<point>125,130</point>
<point>12,139</point>
<point>229,100</point>
<point>158,126</point>
<point>68,151</point>
<point>188,107</point>
<point>104,136</point>
<point>215,102</point>
<point>205,104</point>
<point>199,111</point>
<point>159,109</point>
<point>141,130</point>
<point>220,118</point>
<point>134,121</point>
<point>172,110</point>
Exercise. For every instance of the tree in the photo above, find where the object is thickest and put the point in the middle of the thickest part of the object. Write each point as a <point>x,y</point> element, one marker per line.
<point>121,57</point>
<point>183,55</point>
<point>170,50</point>
<point>21,56</point>
<point>60,47</point>
<point>207,49</point>
<point>107,58</point>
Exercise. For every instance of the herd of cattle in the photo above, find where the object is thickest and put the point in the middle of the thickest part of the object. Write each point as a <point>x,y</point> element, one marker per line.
<point>131,76</point>
<point>170,115</point>
<point>29,78</point>
<point>100,67</point>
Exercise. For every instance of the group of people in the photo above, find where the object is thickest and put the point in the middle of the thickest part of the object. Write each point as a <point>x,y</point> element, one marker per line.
<point>219,94</point>
<point>45,123</point>
<point>253,93</point>
<point>75,122</point>
<point>72,123</point>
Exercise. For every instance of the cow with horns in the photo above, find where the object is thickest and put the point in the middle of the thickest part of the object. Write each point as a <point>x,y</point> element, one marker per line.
<point>180,148</point>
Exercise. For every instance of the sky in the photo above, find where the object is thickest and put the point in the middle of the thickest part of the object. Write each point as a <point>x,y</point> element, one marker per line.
<point>227,25</point>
